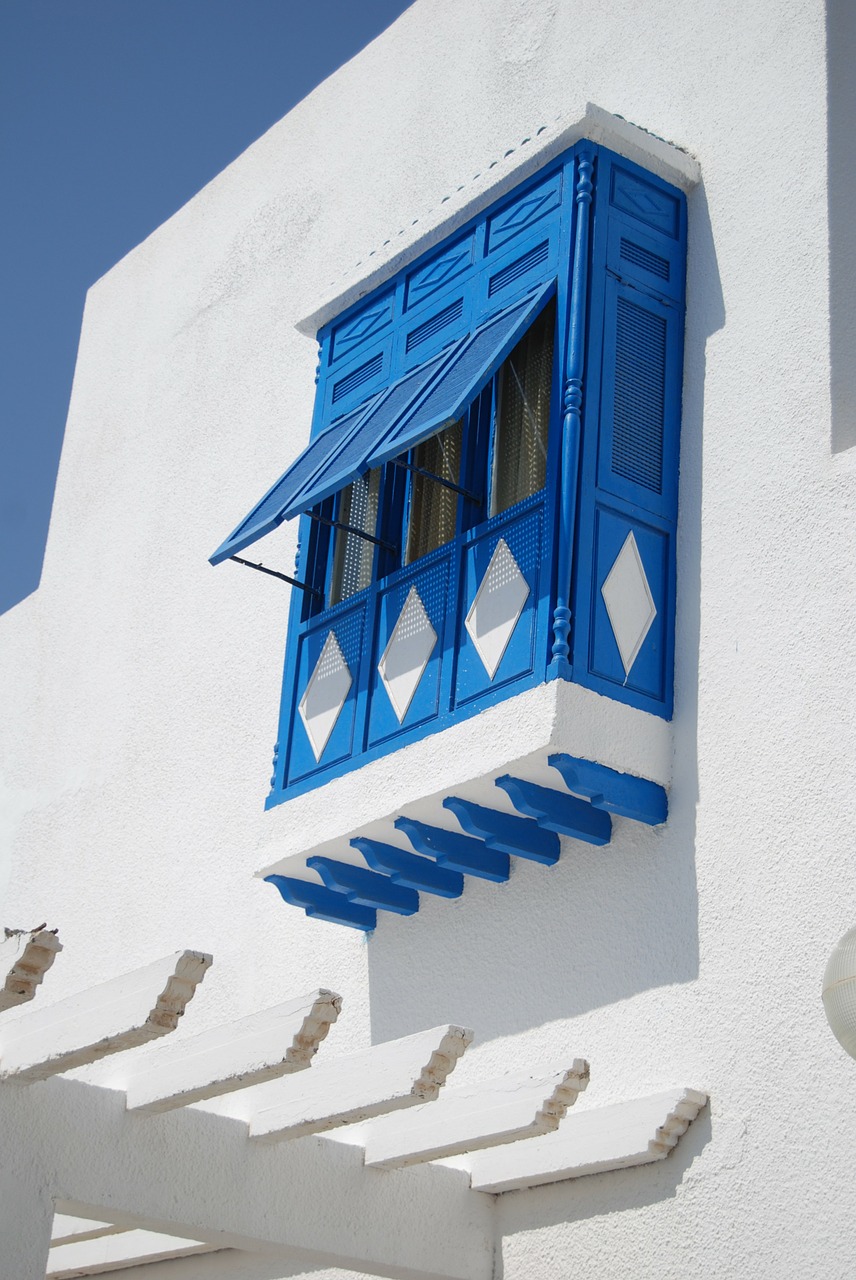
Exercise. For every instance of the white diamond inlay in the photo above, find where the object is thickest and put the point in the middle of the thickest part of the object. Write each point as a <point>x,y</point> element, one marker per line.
<point>497,607</point>
<point>325,695</point>
<point>406,656</point>
<point>629,602</point>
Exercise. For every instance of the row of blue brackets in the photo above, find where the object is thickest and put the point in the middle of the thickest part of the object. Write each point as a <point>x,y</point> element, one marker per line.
<point>352,895</point>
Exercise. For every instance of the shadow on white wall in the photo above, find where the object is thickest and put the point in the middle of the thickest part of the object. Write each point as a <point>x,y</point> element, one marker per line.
<point>602,924</point>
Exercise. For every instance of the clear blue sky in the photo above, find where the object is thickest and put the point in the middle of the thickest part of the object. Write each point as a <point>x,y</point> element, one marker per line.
<point>112,114</point>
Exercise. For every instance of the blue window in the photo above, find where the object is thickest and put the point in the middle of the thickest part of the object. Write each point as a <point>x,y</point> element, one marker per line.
<point>489,496</point>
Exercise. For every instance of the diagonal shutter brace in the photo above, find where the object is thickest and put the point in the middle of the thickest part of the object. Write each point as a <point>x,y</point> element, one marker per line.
<point>430,475</point>
<point>292,582</point>
<point>350,528</point>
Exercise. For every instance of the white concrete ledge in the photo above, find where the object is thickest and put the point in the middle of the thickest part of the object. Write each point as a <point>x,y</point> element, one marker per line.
<point>106,1019</point>
<point>476,1116</point>
<point>67,1228</point>
<point>263,1046</point>
<point>605,1138</point>
<point>514,737</point>
<point>387,1077</point>
<point>117,1253</point>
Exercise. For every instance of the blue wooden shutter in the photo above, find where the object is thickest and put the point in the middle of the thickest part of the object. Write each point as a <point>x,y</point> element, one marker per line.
<point>625,583</point>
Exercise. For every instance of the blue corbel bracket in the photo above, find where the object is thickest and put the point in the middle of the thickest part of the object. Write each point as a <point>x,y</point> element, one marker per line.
<point>459,853</point>
<point>324,904</point>
<point>504,832</point>
<point>619,793</point>
<point>409,869</point>
<point>365,888</point>
<point>558,811</point>
<point>393,878</point>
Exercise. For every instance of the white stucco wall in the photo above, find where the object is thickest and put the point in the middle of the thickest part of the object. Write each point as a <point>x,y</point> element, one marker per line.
<point>141,686</point>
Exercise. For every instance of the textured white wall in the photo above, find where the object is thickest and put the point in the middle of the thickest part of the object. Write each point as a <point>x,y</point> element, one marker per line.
<point>142,685</point>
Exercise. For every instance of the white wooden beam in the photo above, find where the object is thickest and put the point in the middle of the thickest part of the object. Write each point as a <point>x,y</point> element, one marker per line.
<point>261,1047</point>
<point>387,1077</point>
<point>118,1252</point>
<point>476,1116</point>
<point>25,957</point>
<point>117,1015</point>
<point>26,1198</point>
<point>613,1137</point>
<point>67,1228</point>
<point>180,1174</point>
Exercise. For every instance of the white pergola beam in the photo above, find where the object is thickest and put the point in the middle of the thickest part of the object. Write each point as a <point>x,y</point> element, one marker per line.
<point>25,958</point>
<point>388,1077</point>
<point>261,1047</point>
<point>117,1252</point>
<point>194,1174</point>
<point>26,1205</point>
<point>613,1137</point>
<point>67,1228</point>
<point>117,1015</point>
<point>476,1116</point>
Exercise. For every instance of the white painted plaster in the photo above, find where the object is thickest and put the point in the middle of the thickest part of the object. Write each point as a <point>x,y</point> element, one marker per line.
<point>487,1114</point>
<point>629,603</point>
<point>140,686</point>
<point>325,694</point>
<point>249,1051</point>
<point>388,1077</point>
<point>496,607</point>
<point>403,661</point>
<point>621,1136</point>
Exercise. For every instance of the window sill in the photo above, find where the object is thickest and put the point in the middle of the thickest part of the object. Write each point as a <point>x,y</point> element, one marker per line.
<point>515,736</point>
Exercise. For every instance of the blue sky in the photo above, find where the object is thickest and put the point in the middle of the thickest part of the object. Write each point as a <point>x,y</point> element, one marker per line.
<point>112,114</point>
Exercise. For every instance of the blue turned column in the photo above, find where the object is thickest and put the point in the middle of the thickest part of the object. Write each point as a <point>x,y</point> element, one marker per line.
<point>560,665</point>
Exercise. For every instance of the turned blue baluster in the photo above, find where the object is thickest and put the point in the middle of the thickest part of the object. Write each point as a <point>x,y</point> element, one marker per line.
<point>572,425</point>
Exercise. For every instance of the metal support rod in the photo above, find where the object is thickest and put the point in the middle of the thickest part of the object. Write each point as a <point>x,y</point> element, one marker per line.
<point>292,582</point>
<point>447,484</point>
<point>349,528</point>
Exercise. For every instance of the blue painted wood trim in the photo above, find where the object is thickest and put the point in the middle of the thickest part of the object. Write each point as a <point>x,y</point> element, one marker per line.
<point>409,869</point>
<point>584,233</point>
<point>573,398</point>
<point>365,888</point>
<point>504,832</point>
<point>619,793</point>
<point>460,853</point>
<point>558,811</point>
<point>324,904</point>
<point>605,496</point>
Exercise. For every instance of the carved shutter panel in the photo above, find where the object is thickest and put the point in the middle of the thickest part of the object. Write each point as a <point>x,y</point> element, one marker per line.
<point>624,616</point>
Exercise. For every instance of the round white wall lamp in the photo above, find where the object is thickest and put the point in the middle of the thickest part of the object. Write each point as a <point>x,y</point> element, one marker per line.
<point>839,992</point>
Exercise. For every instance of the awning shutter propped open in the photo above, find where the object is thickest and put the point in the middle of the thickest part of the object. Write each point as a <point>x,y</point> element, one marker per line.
<point>418,405</point>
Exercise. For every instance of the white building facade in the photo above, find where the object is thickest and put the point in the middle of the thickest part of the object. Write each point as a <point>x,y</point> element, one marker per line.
<point>679,957</point>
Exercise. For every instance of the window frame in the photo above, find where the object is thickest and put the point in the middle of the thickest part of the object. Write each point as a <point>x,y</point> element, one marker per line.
<point>558,229</point>
<point>398,485</point>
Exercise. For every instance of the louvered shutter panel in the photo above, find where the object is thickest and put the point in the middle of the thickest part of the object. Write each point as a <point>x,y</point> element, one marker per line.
<point>625,590</point>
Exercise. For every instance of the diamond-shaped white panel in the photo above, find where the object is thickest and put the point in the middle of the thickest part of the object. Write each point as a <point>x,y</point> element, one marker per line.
<point>629,602</point>
<point>406,656</point>
<point>325,695</point>
<point>497,607</point>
